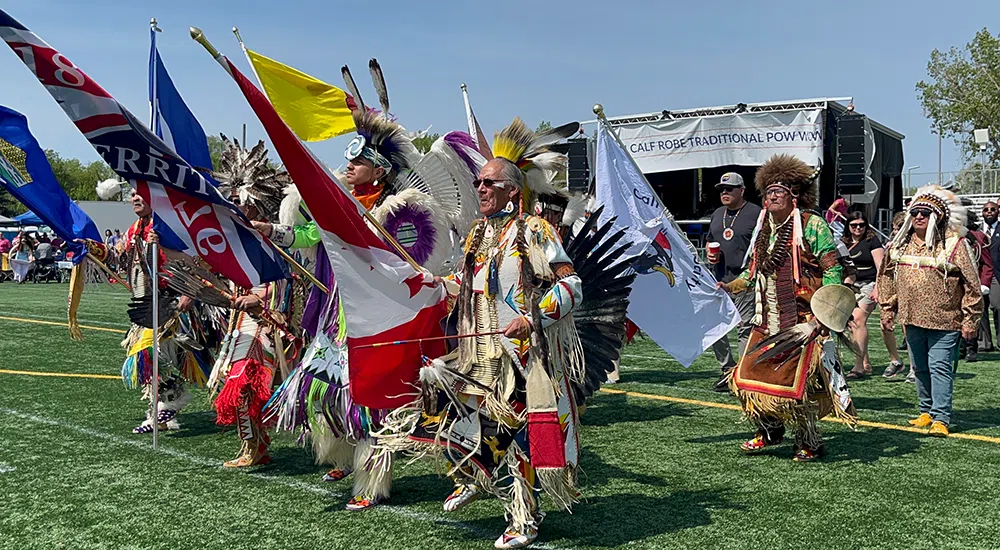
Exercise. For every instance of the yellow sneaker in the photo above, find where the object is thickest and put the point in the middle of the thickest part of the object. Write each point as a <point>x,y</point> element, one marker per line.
<point>938,429</point>
<point>922,421</point>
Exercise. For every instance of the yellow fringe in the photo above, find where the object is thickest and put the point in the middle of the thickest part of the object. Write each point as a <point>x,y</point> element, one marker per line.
<point>76,280</point>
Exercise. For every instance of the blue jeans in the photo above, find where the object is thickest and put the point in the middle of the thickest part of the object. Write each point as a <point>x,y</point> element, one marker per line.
<point>933,354</point>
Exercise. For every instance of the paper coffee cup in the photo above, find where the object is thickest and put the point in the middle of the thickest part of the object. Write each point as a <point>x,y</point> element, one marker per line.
<point>713,249</point>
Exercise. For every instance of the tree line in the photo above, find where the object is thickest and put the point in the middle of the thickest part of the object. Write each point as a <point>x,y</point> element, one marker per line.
<point>962,93</point>
<point>80,179</point>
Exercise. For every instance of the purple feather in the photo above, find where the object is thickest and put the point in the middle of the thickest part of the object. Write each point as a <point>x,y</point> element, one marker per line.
<point>313,309</point>
<point>426,234</point>
<point>458,139</point>
<point>301,413</point>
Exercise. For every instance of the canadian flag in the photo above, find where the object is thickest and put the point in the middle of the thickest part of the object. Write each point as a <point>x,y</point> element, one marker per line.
<point>384,298</point>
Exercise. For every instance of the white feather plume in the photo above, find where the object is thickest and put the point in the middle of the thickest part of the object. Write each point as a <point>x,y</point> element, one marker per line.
<point>576,208</point>
<point>288,212</point>
<point>416,199</point>
<point>443,175</point>
<point>547,174</point>
<point>109,189</point>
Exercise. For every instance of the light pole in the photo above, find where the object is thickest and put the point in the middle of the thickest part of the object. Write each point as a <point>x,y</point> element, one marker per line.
<point>982,137</point>
<point>909,176</point>
<point>939,133</point>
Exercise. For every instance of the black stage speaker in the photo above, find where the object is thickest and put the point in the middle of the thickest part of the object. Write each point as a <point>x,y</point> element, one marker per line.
<point>579,167</point>
<point>851,154</point>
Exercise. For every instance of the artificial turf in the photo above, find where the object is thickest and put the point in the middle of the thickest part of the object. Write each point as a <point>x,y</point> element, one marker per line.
<point>656,474</point>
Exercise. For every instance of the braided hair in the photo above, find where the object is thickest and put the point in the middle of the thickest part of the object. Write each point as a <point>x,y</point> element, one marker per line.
<point>465,308</point>
<point>530,284</point>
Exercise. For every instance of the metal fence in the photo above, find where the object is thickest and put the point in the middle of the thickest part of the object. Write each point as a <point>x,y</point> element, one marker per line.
<point>969,180</point>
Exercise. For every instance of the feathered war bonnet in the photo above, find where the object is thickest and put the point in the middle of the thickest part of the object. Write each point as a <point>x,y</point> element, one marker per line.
<point>529,151</point>
<point>946,213</point>
<point>383,142</point>
<point>248,178</point>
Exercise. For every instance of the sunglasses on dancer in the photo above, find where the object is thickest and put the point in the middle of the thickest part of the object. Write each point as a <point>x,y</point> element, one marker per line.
<point>921,212</point>
<point>858,225</point>
<point>487,183</point>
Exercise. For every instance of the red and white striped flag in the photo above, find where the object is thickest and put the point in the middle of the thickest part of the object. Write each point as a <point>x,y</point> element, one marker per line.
<point>189,214</point>
<point>384,298</point>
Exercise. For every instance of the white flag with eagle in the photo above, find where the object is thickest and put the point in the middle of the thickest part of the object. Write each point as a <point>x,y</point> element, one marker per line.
<point>674,299</point>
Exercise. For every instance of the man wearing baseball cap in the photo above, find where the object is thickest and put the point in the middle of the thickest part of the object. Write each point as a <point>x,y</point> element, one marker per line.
<point>729,236</point>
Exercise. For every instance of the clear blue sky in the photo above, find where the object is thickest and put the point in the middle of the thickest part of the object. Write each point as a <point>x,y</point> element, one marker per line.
<point>547,60</point>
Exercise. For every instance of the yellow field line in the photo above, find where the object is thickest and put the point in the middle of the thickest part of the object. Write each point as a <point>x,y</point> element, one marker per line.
<point>710,404</point>
<point>731,407</point>
<point>61,374</point>
<point>52,323</point>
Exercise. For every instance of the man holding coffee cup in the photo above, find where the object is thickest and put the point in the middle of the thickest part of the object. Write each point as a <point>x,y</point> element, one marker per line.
<point>728,239</point>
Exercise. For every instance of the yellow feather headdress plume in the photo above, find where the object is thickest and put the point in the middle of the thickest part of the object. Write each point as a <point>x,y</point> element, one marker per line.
<point>529,151</point>
<point>513,141</point>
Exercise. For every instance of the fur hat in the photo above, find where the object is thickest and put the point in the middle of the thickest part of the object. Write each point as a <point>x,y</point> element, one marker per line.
<point>792,174</point>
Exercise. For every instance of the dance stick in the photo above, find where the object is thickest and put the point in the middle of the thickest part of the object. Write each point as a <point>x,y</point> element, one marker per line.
<point>422,340</point>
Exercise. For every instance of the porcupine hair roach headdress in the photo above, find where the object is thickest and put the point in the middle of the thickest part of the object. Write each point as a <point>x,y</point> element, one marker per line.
<point>247,175</point>
<point>946,210</point>
<point>799,180</point>
<point>529,152</point>
<point>383,142</point>
<point>792,174</point>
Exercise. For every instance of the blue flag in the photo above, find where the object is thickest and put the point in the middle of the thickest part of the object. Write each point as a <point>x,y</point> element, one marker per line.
<point>26,174</point>
<point>173,122</point>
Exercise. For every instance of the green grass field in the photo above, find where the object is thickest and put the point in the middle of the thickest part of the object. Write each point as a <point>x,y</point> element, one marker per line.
<point>657,473</point>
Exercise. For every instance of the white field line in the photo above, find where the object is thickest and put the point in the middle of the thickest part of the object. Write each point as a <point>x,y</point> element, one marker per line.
<point>215,464</point>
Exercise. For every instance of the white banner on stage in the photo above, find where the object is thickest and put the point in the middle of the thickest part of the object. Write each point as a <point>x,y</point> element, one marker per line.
<point>746,139</point>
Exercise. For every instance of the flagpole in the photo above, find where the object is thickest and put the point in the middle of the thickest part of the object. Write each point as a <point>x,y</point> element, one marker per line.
<point>312,278</point>
<point>468,115</point>
<point>246,54</point>
<point>199,36</point>
<point>155,267</point>
<point>112,276</point>
<point>606,126</point>
<point>474,130</point>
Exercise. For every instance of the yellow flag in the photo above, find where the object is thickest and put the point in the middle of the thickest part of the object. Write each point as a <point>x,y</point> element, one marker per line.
<point>313,109</point>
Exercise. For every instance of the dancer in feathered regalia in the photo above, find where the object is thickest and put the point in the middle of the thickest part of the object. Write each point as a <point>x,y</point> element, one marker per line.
<point>930,285</point>
<point>793,255</point>
<point>262,317</point>
<point>501,408</point>
<point>388,175</point>
<point>189,330</point>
